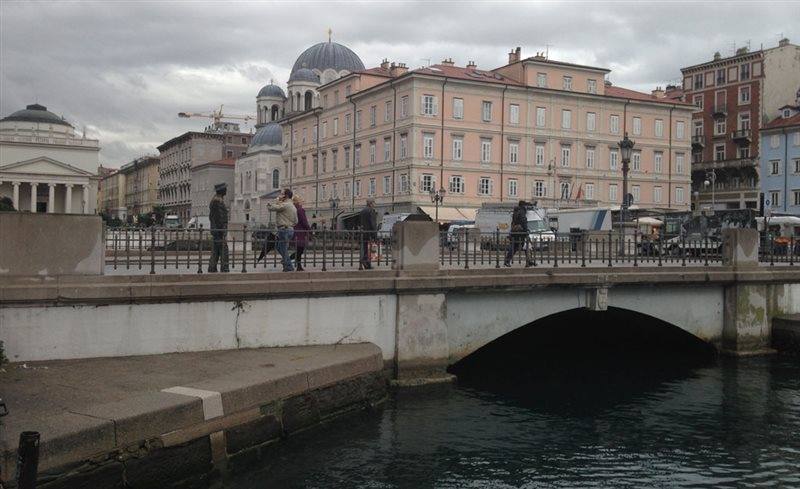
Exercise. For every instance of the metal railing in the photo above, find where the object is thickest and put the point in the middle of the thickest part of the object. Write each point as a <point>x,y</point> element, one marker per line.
<point>178,250</point>
<point>584,249</point>
<point>779,251</point>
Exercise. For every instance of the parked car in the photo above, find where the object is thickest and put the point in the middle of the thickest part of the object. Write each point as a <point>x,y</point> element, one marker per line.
<point>693,245</point>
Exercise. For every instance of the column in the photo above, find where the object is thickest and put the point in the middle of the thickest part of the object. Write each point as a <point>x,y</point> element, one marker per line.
<point>84,198</point>
<point>51,198</point>
<point>15,196</point>
<point>33,196</point>
<point>68,199</point>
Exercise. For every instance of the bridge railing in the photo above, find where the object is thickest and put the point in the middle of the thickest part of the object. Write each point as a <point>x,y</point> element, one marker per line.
<point>180,250</point>
<point>469,248</point>
<point>779,250</point>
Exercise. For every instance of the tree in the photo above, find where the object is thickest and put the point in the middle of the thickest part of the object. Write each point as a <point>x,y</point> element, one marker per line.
<point>145,220</point>
<point>158,214</point>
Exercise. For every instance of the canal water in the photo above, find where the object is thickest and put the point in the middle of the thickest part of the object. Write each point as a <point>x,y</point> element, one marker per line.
<point>579,400</point>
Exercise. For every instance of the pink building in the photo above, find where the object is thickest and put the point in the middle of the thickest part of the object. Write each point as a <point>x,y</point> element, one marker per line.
<point>534,129</point>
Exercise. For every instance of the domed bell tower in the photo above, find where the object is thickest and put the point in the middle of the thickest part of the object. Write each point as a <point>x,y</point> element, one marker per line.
<point>270,104</point>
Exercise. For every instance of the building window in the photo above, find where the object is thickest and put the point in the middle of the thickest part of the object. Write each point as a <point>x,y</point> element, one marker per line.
<point>324,129</point>
<point>656,195</point>
<point>591,121</point>
<point>387,185</point>
<point>659,128</point>
<point>567,83</point>
<point>565,155</point>
<point>387,149</point>
<point>720,127</point>
<point>774,167</point>
<point>743,153</point>
<point>458,108</point>
<point>591,86</point>
<point>485,186</point>
<point>372,187</point>
<point>658,158</point>
<point>613,196</point>
<point>613,159</point>
<point>276,178</point>
<point>347,156</point>
<point>372,152</point>
<point>698,127</point>
<point>744,95</point>
<point>357,156</point>
<point>796,162</point>
<point>486,112</point>
<point>456,184</point>
<point>721,76</point>
<point>324,162</point>
<point>335,126</point>
<point>796,195</point>
<point>458,149</point>
<point>679,163</point>
<point>427,183</point>
<point>429,105</point>
<point>347,91</point>
<point>541,80</point>
<point>404,183</point>
<point>387,111</point>
<point>744,121</point>
<point>358,120</point>
<point>679,195</point>
<point>514,113</point>
<point>513,153</point>
<point>486,151</point>
<point>372,115</point>
<point>404,106</point>
<point>324,192</point>
<point>564,190</point>
<point>512,187</point>
<point>334,159</point>
<point>566,119</point>
<point>403,145</point>
<point>540,116</point>
<point>719,152</point>
<point>744,71</point>
<point>637,193</point>
<point>637,126</point>
<point>698,81</point>
<point>357,188</point>
<point>314,133</point>
<point>698,101</point>
<point>774,141</point>
<point>590,157</point>
<point>347,123</point>
<point>229,154</point>
<point>539,190</point>
<point>539,154</point>
<point>680,130</point>
<point>774,198</point>
<point>336,97</point>
<point>427,146</point>
<point>613,124</point>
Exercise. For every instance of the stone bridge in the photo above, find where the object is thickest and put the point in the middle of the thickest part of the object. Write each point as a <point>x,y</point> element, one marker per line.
<point>421,317</point>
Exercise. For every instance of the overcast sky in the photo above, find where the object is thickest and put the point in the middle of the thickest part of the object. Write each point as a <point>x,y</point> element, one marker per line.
<point>125,69</point>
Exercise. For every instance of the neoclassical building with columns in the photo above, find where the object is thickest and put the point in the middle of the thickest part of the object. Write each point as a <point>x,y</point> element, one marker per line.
<point>44,166</point>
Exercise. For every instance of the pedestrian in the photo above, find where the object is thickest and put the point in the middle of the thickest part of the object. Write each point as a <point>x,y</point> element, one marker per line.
<point>369,231</point>
<point>518,234</point>
<point>302,233</point>
<point>218,217</point>
<point>285,218</point>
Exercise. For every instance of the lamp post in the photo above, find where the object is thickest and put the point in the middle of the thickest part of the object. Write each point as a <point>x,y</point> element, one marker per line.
<point>711,179</point>
<point>334,202</point>
<point>437,197</point>
<point>626,148</point>
<point>697,201</point>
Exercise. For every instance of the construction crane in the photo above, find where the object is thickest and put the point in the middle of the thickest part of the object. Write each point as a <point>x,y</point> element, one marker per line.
<point>216,116</point>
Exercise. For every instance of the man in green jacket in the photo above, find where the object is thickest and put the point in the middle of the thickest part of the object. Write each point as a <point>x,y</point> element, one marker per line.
<point>218,216</point>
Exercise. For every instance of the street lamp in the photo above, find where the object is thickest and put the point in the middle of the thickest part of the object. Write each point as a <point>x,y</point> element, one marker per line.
<point>711,179</point>
<point>697,201</point>
<point>437,197</point>
<point>334,202</point>
<point>626,148</point>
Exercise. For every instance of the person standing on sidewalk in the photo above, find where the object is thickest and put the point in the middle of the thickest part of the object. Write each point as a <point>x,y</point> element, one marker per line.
<point>285,218</point>
<point>218,218</point>
<point>518,234</point>
<point>302,233</point>
<point>368,219</point>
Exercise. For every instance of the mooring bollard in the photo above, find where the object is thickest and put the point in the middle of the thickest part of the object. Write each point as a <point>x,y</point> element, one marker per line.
<point>27,459</point>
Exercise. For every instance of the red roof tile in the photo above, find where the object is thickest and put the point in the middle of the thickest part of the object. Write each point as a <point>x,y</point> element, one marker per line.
<point>471,74</point>
<point>619,92</point>
<point>223,162</point>
<point>783,122</point>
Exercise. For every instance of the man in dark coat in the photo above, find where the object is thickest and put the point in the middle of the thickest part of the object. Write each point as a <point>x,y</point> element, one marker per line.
<point>518,234</point>
<point>218,215</point>
<point>368,220</point>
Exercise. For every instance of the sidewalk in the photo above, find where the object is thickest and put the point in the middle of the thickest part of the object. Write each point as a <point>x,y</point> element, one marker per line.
<point>85,409</point>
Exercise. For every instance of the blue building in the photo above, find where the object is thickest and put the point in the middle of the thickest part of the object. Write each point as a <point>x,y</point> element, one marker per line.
<point>780,161</point>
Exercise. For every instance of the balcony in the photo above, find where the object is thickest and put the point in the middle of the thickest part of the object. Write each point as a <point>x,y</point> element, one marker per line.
<point>719,164</point>
<point>720,111</point>
<point>741,136</point>
<point>698,142</point>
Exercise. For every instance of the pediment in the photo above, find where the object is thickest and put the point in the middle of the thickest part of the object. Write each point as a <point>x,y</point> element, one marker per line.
<point>44,166</point>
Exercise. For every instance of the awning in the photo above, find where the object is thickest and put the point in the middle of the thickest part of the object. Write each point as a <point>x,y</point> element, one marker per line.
<point>448,214</point>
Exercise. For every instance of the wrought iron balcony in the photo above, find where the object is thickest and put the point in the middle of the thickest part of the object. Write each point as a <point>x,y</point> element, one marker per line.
<point>720,111</point>
<point>719,164</point>
<point>698,142</point>
<point>741,136</point>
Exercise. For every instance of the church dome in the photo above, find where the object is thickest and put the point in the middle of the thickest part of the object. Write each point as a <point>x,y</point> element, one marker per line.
<point>36,113</point>
<point>304,74</point>
<point>327,55</point>
<point>272,90</point>
<point>269,134</point>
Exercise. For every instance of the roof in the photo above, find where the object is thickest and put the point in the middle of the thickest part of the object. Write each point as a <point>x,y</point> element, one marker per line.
<point>471,74</point>
<point>224,162</point>
<point>325,55</point>
<point>706,64</point>
<point>783,122</point>
<point>269,134</point>
<point>304,74</point>
<point>619,92</point>
<point>271,90</point>
<point>36,113</point>
<point>562,63</point>
<point>188,135</point>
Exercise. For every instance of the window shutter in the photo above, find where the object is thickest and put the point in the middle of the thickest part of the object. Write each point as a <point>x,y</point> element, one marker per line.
<point>491,186</point>
<point>422,104</point>
<point>435,105</point>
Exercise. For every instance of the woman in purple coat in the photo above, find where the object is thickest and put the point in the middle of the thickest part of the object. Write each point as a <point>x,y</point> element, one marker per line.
<point>302,233</point>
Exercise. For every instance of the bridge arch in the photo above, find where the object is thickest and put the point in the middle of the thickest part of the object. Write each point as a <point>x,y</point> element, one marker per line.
<point>474,320</point>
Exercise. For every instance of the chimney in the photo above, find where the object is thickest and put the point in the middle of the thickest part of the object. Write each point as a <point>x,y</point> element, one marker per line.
<point>398,69</point>
<point>385,63</point>
<point>783,42</point>
<point>471,64</point>
<point>514,55</point>
<point>658,93</point>
<point>539,56</point>
<point>448,62</point>
<point>742,50</point>
<point>717,56</point>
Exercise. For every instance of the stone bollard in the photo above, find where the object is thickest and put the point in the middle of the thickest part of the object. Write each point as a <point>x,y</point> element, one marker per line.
<point>740,248</point>
<point>415,246</point>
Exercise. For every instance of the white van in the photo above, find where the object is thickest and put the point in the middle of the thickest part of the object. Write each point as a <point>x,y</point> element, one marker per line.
<point>493,218</point>
<point>172,221</point>
<point>199,222</point>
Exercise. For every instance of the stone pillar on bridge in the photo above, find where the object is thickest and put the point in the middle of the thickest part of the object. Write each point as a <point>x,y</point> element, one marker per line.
<point>422,347</point>
<point>746,326</point>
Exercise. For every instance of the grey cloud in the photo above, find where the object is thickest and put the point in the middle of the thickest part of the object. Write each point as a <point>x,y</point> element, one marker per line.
<point>124,69</point>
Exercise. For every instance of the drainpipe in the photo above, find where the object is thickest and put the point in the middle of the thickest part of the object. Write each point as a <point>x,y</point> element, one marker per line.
<point>623,207</point>
<point>502,137</point>
<point>316,170</point>
<point>394,141</point>
<point>441,136</point>
<point>785,169</point>
<point>353,182</point>
<point>669,162</point>
<point>291,151</point>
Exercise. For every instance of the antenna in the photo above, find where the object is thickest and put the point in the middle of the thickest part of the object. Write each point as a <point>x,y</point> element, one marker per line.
<point>547,51</point>
<point>427,61</point>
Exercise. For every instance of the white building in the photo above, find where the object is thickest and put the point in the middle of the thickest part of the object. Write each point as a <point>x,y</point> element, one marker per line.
<point>44,167</point>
